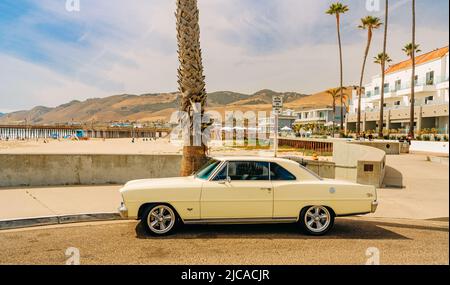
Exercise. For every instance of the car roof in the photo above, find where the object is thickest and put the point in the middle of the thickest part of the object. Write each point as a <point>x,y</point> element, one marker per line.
<point>252,158</point>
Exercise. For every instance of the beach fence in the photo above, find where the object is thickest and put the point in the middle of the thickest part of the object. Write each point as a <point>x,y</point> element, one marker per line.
<point>319,146</point>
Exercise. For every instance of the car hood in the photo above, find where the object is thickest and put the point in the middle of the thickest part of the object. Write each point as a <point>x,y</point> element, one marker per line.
<point>158,183</point>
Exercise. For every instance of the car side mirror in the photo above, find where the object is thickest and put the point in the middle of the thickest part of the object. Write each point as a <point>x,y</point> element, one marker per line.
<point>227,180</point>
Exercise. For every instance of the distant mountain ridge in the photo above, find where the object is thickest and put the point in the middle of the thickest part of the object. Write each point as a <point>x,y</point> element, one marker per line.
<point>145,107</point>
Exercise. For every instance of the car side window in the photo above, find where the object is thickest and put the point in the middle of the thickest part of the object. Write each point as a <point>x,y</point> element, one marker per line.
<point>248,170</point>
<point>278,173</point>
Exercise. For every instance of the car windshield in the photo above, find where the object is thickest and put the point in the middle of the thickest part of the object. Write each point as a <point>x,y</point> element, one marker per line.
<point>205,171</point>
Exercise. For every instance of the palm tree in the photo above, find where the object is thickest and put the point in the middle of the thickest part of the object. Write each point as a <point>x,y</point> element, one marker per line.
<point>336,94</point>
<point>337,9</point>
<point>368,23</point>
<point>191,80</point>
<point>411,50</point>
<point>384,57</point>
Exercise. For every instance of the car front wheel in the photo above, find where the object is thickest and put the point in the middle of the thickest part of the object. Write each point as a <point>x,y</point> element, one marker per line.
<point>316,220</point>
<point>160,220</point>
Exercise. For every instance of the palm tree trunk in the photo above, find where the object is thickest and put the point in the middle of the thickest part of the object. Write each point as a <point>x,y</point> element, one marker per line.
<point>191,80</point>
<point>413,75</point>
<point>334,115</point>
<point>383,69</point>
<point>366,53</point>
<point>341,70</point>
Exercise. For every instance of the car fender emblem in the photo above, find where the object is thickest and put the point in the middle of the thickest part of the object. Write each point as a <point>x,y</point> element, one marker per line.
<point>332,190</point>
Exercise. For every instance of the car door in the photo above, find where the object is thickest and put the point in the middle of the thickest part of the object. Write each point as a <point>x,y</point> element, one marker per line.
<point>240,190</point>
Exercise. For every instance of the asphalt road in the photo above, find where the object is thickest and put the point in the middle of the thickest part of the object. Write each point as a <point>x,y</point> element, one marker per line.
<point>123,242</point>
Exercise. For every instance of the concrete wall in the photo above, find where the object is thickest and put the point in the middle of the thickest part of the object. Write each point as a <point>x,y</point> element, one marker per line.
<point>350,160</point>
<point>432,147</point>
<point>90,169</point>
<point>56,169</point>
<point>324,169</point>
<point>389,147</point>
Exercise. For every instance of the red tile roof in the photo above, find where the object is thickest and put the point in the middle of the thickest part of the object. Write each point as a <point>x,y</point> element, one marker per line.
<point>438,53</point>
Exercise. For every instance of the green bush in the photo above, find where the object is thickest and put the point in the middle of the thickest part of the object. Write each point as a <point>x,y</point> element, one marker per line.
<point>426,138</point>
<point>419,138</point>
<point>445,138</point>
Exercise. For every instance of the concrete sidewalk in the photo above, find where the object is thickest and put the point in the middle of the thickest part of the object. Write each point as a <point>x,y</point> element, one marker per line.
<point>58,201</point>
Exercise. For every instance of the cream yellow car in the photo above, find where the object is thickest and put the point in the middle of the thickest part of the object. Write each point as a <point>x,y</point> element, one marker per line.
<point>239,190</point>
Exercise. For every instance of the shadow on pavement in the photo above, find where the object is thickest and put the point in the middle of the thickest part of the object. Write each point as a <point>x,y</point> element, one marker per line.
<point>343,229</point>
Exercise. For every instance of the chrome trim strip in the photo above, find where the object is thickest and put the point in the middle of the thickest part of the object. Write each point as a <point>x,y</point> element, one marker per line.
<point>217,170</point>
<point>242,221</point>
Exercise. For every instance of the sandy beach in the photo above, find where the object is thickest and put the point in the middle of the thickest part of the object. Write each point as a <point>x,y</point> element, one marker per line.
<point>125,146</point>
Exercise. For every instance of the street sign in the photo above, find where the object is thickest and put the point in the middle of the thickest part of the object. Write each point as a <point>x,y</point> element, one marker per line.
<point>277,105</point>
<point>277,102</point>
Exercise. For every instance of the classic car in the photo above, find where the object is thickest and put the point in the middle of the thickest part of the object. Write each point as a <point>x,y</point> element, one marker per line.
<point>239,190</point>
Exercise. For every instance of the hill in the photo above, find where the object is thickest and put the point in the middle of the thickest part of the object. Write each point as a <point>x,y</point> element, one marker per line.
<point>145,107</point>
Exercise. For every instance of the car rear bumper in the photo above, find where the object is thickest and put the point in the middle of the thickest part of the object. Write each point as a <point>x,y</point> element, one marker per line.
<point>374,206</point>
<point>123,211</point>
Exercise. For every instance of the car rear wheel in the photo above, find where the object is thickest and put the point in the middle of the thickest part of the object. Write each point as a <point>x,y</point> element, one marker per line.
<point>160,220</point>
<point>316,220</point>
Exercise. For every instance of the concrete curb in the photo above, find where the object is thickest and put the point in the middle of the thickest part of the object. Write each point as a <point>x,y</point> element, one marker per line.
<point>56,220</point>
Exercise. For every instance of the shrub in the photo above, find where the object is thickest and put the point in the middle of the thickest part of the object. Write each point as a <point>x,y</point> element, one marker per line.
<point>426,138</point>
<point>419,138</point>
<point>445,138</point>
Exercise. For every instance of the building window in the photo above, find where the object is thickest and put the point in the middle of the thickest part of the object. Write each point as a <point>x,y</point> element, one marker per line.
<point>398,85</point>
<point>416,80</point>
<point>386,87</point>
<point>368,167</point>
<point>428,99</point>
<point>397,103</point>
<point>368,94</point>
<point>430,78</point>
<point>377,91</point>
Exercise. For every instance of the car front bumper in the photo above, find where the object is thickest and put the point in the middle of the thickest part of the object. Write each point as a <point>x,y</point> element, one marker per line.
<point>374,206</point>
<point>123,211</point>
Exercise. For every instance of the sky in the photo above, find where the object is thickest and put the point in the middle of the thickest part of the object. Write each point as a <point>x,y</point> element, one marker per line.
<point>50,55</point>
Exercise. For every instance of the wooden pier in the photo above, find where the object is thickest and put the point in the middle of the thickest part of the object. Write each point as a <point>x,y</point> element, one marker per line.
<point>44,131</point>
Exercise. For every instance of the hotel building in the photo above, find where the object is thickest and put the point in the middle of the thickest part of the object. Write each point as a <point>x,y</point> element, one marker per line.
<point>431,96</point>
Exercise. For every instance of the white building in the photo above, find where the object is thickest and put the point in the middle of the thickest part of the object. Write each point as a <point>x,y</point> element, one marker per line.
<point>319,115</point>
<point>431,96</point>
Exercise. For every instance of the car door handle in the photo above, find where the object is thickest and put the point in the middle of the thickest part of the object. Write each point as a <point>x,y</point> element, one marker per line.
<point>266,188</point>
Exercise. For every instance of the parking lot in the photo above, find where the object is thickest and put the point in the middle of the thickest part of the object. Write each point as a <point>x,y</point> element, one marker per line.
<point>123,242</point>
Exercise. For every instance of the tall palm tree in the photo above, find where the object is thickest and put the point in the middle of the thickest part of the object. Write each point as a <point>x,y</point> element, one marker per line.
<point>368,23</point>
<point>190,80</point>
<point>384,57</point>
<point>411,50</point>
<point>337,9</point>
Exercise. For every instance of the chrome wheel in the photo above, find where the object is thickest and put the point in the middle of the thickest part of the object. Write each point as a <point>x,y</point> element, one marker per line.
<point>317,219</point>
<point>161,219</point>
